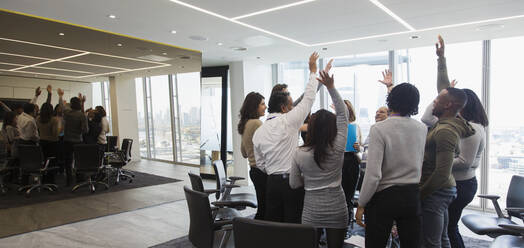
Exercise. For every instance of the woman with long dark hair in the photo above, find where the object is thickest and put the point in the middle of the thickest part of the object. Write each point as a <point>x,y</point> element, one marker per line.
<point>252,109</point>
<point>10,133</point>
<point>317,166</point>
<point>49,129</point>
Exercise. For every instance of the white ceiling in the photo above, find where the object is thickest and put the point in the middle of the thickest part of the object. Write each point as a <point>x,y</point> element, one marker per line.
<point>342,26</point>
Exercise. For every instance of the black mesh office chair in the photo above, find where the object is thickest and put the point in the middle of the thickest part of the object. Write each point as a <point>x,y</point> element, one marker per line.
<point>486,225</point>
<point>224,186</point>
<point>112,143</point>
<point>32,162</point>
<point>121,159</point>
<point>202,226</point>
<point>88,163</point>
<point>220,213</point>
<point>250,233</point>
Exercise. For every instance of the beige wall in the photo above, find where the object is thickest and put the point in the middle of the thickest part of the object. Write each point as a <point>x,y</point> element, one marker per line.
<point>19,87</point>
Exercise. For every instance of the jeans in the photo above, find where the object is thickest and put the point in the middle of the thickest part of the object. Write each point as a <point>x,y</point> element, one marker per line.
<point>399,203</point>
<point>435,218</point>
<point>259,179</point>
<point>466,190</point>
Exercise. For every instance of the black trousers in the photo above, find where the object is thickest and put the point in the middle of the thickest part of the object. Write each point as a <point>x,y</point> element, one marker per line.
<point>466,190</point>
<point>283,204</point>
<point>397,203</point>
<point>68,157</point>
<point>350,173</point>
<point>259,179</point>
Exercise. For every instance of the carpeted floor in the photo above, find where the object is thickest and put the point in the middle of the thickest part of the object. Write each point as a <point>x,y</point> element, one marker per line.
<point>184,242</point>
<point>14,199</point>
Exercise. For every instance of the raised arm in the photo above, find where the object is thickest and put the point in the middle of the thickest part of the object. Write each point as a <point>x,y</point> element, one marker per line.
<point>295,118</point>
<point>387,79</point>
<point>49,93</point>
<point>442,69</point>
<point>38,91</point>
<point>340,110</point>
<point>326,69</point>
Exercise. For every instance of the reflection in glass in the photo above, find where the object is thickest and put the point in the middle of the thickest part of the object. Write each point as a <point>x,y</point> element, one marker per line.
<point>187,98</point>
<point>162,144</point>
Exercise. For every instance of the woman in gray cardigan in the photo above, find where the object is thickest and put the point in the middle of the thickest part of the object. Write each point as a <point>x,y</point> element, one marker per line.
<point>317,166</point>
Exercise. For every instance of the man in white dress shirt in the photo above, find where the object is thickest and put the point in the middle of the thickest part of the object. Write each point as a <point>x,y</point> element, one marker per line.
<point>274,143</point>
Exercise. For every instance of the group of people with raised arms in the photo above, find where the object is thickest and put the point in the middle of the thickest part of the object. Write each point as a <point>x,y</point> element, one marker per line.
<point>418,176</point>
<point>55,129</point>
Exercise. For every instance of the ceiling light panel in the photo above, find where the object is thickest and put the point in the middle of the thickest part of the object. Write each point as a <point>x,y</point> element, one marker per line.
<point>235,8</point>
<point>393,15</point>
<point>14,59</point>
<point>53,71</point>
<point>428,14</point>
<point>121,62</point>
<point>81,67</point>
<point>273,9</point>
<point>34,50</point>
<point>7,67</point>
<point>347,19</point>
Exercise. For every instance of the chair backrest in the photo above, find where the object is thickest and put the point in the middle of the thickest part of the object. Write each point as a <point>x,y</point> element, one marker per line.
<point>515,197</point>
<point>201,233</point>
<point>196,182</point>
<point>87,157</point>
<point>126,149</point>
<point>112,143</point>
<point>258,234</point>
<point>220,176</point>
<point>30,157</point>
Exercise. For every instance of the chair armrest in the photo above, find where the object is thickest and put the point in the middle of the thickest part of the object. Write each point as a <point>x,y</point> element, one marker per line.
<point>494,199</point>
<point>237,178</point>
<point>513,227</point>
<point>211,191</point>
<point>220,223</point>
<point>221,204</point>
<point>490,197</point>
<point>230,186</point>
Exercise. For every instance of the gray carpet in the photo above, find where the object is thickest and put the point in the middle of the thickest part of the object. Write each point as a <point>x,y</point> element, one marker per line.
<point>184,242</point>
<point>14,199</point>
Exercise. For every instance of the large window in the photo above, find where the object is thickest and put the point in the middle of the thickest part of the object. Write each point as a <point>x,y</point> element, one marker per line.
<point>186,93</point>
<point>162,146</point>
<point>296,76</point>
<point>506,139</point>
<point>142,128</point>
<point>100,96</point>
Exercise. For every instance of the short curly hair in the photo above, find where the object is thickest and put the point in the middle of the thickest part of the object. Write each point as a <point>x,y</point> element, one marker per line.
<point>404,99</point>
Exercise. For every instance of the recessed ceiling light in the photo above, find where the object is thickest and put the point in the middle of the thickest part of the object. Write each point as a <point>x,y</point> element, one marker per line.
<point>258,57</point>
<point>164,53</point>
<point>61,34</point>
<point>112,16</point>
<point>173,31</point>
<point>382,40</point>
<point>197,37</point>
<point>324,49</point>
<point>119,44</point>
<point>220,43</point>
<point>414,37</point>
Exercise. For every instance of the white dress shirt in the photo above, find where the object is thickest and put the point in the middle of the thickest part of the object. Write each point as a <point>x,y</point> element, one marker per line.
<point>27,127</point>
<point>275,141</point>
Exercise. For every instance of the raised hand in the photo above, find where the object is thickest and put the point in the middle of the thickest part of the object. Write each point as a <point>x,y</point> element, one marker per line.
<point>325,79</point>
<point>328,66</point>
<point>49,89</point>
<point>388,78</point>
<point>313,62</point>
<point>440,49</point>
<point>453,83</point>
<point>60,92</point>
<point>38,91</point>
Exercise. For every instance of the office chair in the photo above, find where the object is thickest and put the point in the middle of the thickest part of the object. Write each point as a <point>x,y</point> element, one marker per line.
<point>112,143</point>
<point>220,213</point>
<point>87,162</point>
<point>250,233</point>
<point>202,226</point>
<point>32,162</point>
<point>505,241</point>
<point>224,186</point>
<point>486,225</point>
<point>121,159</point>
